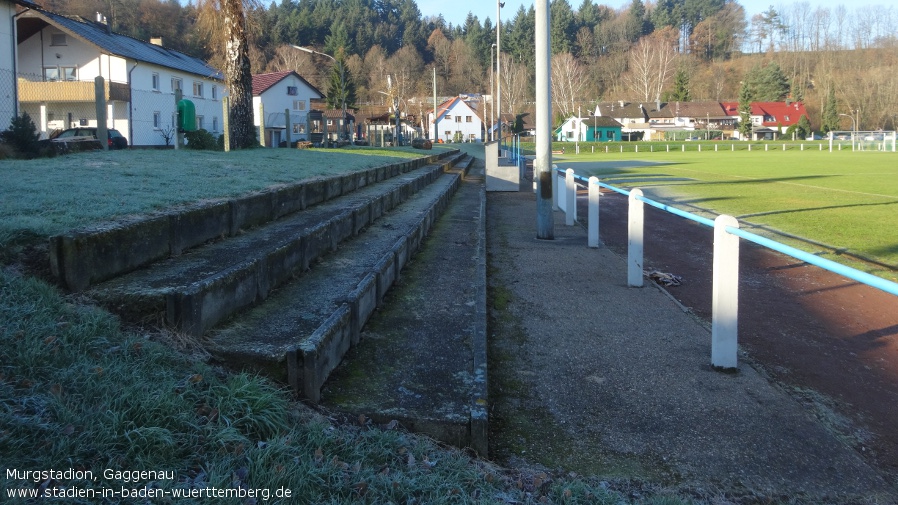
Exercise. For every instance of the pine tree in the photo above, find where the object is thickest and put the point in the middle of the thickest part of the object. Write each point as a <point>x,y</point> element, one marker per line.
<point>681,87</point>
<point>745,99</point>
<point>829,119</point>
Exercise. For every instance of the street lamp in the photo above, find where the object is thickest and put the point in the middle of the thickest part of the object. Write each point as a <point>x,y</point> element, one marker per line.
<point>853,128</point>
<point>342,81</point>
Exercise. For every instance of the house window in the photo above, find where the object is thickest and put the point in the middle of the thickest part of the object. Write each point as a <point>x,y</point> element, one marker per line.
<point>299,105</point>
<point>199,123</point>
<point>292,91</point>
<point>176,84</point>
<point>299,128</point>
<point>155,81</point>
<point>58,39</point>
<point>458,119</point>
<point>51,73</point>
<point>215,124</point>
<point>609,134</point>
<point>330,122</point>
<point>467,119</point>
<point>787,118</point>
<point>70,73</point>
<point>215,92</point>
<point>157,120</point>
<point>197,89</point>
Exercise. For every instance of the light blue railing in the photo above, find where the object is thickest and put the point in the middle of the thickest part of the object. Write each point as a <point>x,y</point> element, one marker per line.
<point>722,224</point>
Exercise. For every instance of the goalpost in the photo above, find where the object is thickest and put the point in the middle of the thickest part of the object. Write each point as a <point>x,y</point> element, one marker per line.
<point>863,140</point>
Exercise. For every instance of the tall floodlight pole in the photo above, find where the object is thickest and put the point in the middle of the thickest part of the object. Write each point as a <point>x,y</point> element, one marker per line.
<point>435,135</point>
<point>490,135</point>
<point>499,6</point>
<point>542,165</point>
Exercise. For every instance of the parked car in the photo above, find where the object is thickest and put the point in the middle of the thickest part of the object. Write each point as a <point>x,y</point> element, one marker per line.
<point>74,137</point>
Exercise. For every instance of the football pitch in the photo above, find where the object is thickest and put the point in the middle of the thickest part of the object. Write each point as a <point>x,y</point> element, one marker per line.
<point>842,205</point>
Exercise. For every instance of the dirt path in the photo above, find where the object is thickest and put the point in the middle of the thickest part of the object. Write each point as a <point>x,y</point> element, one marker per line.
<point>832,340</point>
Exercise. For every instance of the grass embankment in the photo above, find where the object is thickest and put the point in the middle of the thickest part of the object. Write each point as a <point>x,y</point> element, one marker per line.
<point>840,204</point>
<point>39,198</point>
<point>78,393</point>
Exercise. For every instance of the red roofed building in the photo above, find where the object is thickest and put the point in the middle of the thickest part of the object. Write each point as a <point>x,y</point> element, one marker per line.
<point>769,120</point>
<point>275,95</point>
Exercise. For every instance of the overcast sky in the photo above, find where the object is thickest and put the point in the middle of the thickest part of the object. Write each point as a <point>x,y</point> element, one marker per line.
<point>456,11</point>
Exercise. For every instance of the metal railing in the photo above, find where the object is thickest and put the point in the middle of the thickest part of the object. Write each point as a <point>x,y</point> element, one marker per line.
<point>724,310</point>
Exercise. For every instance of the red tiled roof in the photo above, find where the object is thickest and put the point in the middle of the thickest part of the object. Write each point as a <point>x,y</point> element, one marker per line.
<point>261,82</point>
<point>783,114</point>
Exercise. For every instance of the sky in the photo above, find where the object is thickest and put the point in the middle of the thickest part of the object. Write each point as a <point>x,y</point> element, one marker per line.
<point>456,11</point>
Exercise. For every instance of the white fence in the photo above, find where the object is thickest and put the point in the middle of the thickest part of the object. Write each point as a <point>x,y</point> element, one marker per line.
<point>725,290</point>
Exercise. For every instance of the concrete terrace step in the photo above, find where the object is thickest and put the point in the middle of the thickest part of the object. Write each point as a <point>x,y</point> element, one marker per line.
<point>195,291</point>
<point>421,359</point>
<point>302,332</point>
<point>83,257</point>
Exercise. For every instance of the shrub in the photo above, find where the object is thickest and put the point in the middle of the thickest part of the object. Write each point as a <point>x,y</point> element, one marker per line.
<point>201,140</point>
<point>22,136</point>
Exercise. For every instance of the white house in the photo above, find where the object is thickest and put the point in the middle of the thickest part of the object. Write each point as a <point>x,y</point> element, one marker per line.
<point>8,96</point>
<point>278,95</point>
<point>457,121</point>
<point>60,56</point>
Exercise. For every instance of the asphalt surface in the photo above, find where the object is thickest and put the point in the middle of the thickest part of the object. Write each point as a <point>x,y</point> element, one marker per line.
<point>589,375</point>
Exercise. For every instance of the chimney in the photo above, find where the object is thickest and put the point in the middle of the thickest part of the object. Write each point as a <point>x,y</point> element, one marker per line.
<point>157,41</point>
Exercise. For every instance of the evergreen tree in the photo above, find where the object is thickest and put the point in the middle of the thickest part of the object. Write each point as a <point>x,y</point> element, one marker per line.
<point>745,99</point>
<point>767,83</point>
<point>341,90</point>
<point>829,119</point>
<point>803,127</point>
<point>563,28</point>
<point>681,87</point>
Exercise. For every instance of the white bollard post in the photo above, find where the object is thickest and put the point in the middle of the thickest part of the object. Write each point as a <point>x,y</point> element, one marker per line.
<point>733,147</point>
<point>715,148</point>
<point>606,149</point>
<point>634,239</point>
<point>684,148</point>
<point>668,147</point>
<point>699,148</point>
<point>592,216</point>
<point>637,148</point>
<point>621,148</point>
<point>749,147</point>
<point>725,295</point>
<point>784,147</point>
<point>570,204</point>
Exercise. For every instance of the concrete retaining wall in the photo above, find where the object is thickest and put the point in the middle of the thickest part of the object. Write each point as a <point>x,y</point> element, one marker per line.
<point>83,257</point>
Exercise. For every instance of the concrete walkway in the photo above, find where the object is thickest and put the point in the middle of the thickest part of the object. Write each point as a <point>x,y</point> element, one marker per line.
<point>589,375</point>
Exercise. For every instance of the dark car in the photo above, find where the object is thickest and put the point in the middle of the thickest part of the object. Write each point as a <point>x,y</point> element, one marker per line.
<point>86,138</point>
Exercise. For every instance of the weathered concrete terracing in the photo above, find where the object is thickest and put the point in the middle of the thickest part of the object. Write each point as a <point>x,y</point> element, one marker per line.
<point>303,331</point>
<point>287,293</point>
<point>421,359</point>
<point>194,291</point>
<point>86,256</point>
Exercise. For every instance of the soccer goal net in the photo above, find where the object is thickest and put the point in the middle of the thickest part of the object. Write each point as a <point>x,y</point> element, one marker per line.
<point>864,141</point>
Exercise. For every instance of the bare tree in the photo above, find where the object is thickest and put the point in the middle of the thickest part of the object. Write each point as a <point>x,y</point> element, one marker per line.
<point>515,82</point>
<point>567,83</point>
<point>652,63</point>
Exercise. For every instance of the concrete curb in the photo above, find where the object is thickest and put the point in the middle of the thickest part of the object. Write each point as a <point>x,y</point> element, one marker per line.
<point>86,256</point>
<point>311,363</point>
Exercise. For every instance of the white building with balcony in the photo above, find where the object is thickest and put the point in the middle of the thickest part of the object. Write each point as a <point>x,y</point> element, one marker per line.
<point>60,56</point>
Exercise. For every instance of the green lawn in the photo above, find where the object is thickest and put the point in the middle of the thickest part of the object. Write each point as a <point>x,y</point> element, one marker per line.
<point>43,197</point>
<point>819,201</point>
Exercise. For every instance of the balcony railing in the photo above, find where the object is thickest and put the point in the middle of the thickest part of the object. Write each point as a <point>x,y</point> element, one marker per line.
<point>70,91</point>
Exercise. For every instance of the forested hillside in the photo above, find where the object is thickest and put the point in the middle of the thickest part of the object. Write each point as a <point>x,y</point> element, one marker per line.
<point>643,52</point>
